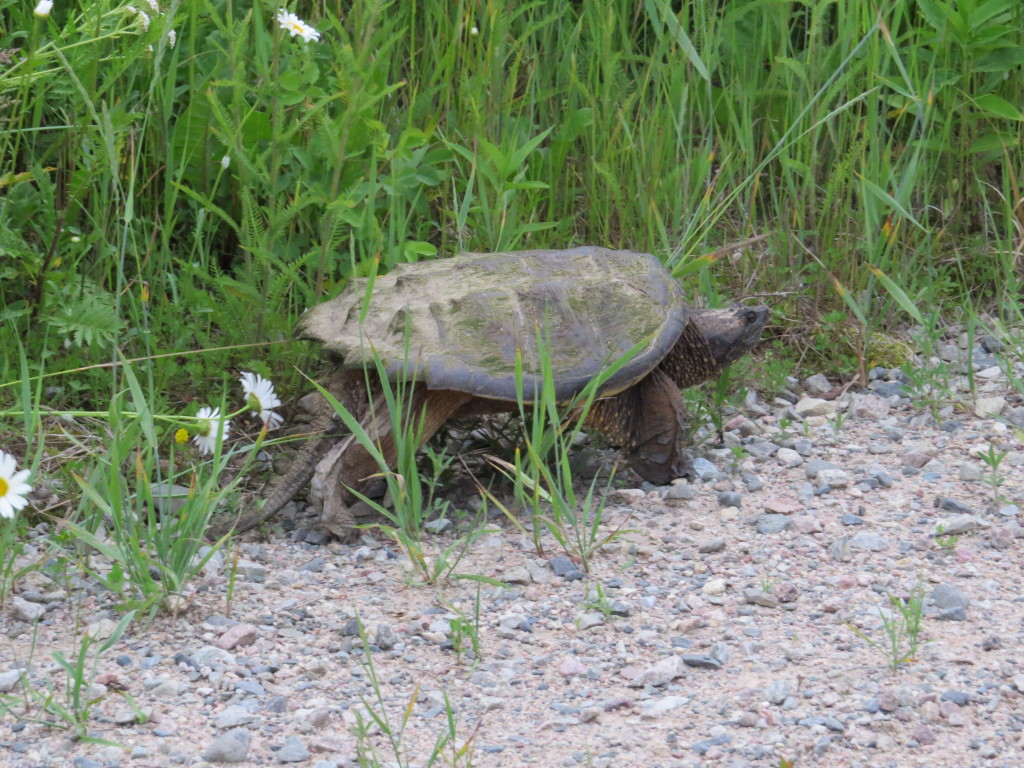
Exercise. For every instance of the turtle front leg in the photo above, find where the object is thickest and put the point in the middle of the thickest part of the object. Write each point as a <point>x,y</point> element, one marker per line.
<point>647,422</point>
<point>349,465</point>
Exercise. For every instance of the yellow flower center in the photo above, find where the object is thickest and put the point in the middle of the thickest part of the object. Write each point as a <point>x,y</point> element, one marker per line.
<point>4,487</point>
<point>181,436</point>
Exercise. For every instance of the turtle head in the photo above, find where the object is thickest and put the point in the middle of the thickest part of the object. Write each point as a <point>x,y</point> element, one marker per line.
<point>730,332</point>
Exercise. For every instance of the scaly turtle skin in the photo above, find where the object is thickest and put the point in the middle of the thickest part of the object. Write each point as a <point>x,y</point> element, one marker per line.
<point>455,327</point>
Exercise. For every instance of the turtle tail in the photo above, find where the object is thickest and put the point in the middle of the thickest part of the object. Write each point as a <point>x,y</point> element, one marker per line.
<point>324,432</point>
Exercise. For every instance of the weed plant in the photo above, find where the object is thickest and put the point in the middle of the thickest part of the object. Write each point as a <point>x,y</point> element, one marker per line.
<point>901,629</point>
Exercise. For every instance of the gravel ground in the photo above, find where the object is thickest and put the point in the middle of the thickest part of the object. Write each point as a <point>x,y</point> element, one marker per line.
<point>727,629</point>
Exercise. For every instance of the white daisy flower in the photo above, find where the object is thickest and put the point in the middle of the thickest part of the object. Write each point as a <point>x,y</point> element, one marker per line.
<point>13,487</point>
<point>225,162</point>
<point>209,423</point>
<point>260,396</point>
<point>42,11</point>
<point>296,26</point>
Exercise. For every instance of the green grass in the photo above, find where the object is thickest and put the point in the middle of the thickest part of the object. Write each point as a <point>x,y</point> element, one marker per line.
<point>178,200</point>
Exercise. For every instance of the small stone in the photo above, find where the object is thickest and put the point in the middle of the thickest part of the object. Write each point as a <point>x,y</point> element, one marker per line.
<point>970,471</point>
<point>679,490</point>
<point>814,466</point>
<point>209,655</point>
<point>240,634</point>
<point>566,568</point>
<point>782,506</point>
<point>662,673</point>
<point>989,406</point>
<point>656,707</point>
<point>230,747</point>
<point>951,602</point>
<point>714,545</point>
<point>714,587</point>
<point>950,504</point>
<point>834,478</point>
<point>805,524</point>
<point>957,525</point>
<point>872,542</point>
<point>233,717</point>
<point>247,570</point>
<point>702,747</point>
<point>385,638</point>
<point>729,499</point>
<point>102,629</point>
<point>777,692</point>
<point>571,666</point>
<point>292,751</point>
<point>760,597</point>
<point>923,735</point>
<point>812,406</point>
<point>818,384</point>
<point>701,661</point>
<point>704,469</point>
<point>9,679</point>
<point>786,592</point>
<point>23,610</point>
<point>767,524</point>
<point>788,458</point>
<point>870,407</point>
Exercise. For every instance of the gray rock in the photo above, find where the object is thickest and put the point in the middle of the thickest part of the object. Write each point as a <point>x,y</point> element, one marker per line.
<point>292,751</point>
<point>233,716</point>
<point>777,692</point>
<point>788,458</point>
<point>756,596</point>
<point>812,406</point>
<point>385,638</point>
<point>752,482</point>
<point>701,661</point>
<point>989,406</point>
<point>871,406</point>
<point>210,655</point>
<point>701,747</point>
<point>760,449</point>
<point>952,505</point>
<point>958,525</point>
<point>950,601</point>
<point>729,499</point>
<point>439,525</point>
<point>772,523</point>
<point>168,498</point>
<point>23,610</point>
<point>9,679</point>
<point>316,565</point>
<point>704,469</point>
<point>679,491</point>
<point>714,545</point>
<point>814,466</point>
<point>665,671</point>
<point>867,540</point>
<point>565,568</point>
<point>247,570</point>
<point>818,384</point>
<point>834,478</point>
<point>970,471</point>
<point>230,747</point>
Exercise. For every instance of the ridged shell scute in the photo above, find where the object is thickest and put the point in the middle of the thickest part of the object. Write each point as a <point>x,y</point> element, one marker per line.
<point>458,323</point>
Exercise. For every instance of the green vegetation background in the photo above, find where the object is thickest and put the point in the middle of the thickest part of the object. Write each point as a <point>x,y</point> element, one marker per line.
<point>185,181</point>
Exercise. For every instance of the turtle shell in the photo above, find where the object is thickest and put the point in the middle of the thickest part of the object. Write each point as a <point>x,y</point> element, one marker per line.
<point>458,323</point>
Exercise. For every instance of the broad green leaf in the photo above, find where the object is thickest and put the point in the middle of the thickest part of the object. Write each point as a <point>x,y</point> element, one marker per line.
<point>998,107</point>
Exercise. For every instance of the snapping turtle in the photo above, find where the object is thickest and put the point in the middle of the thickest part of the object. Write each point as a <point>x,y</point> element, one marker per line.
<point>455,326</point>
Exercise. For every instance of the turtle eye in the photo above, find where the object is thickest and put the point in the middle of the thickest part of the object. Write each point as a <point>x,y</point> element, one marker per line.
<point>749,316</point>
